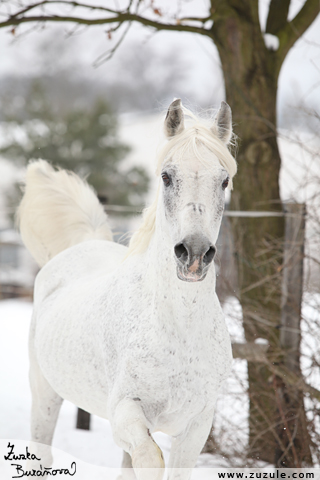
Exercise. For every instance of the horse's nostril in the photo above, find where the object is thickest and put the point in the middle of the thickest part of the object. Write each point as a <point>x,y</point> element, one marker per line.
<point>181,252</point>
<point>208,257</point>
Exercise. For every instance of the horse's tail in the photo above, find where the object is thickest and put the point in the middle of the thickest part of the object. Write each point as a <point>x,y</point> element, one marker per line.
<point>58,210</point>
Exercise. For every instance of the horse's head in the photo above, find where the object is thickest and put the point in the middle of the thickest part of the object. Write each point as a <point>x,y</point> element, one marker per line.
<point>196,168</point>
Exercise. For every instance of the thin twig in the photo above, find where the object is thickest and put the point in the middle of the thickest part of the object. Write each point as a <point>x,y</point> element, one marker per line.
<point>284,420</point>
<point>109,54</point>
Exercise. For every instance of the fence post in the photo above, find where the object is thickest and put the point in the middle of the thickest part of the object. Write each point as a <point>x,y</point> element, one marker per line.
<point>292,285</point>
<point>292,430</point>
<point>83,419</point>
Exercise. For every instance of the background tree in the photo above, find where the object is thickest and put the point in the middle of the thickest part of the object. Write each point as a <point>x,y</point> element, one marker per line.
<point>251,70</point>
<point>137,80</point>
<point>82,140</point>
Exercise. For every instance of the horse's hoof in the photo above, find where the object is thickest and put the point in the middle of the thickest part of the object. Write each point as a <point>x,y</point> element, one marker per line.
<point>149,473</point>
<point>147,461</point>
<point>127,476</point>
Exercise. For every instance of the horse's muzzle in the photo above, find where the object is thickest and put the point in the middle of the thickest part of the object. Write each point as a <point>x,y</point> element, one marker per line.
<point>194,256</point>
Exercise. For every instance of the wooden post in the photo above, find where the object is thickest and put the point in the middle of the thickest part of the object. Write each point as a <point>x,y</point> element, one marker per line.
<point>292,429</point>
<point>83,419</point>
<point>292,285</point>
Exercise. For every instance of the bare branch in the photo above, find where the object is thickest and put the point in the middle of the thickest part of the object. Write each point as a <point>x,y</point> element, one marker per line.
<point>277,16</point>
<point>252,352</point>
<point>294,380</point>
<point>293,30</point>
<point>115,17</point>
<point>258,353</point>
<point>62,2</point>
<point>109,54</point>
<point>195,19</point>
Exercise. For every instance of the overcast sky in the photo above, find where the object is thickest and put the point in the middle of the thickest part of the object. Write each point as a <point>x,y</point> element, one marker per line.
<point>299,78</point>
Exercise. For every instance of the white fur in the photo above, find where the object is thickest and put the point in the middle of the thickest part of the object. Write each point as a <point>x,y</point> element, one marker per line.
<point>128,340</point>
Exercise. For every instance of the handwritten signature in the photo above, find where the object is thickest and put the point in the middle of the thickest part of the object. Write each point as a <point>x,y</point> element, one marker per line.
<point>41,471</point>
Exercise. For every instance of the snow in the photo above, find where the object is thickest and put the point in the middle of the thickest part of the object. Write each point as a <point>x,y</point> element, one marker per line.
<point>10,236</point>
<point>300,167</point>
<point>271,41</point>
<point>9,174</point>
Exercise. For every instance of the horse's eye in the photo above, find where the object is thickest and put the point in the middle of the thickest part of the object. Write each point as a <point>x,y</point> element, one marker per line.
<point>166,179</point>
<point>225,183</point>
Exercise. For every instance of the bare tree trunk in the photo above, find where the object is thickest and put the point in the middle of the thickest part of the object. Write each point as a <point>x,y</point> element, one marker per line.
<point>251,74</point>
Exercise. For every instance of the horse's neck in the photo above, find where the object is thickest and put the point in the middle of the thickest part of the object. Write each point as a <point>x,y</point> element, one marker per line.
<point>182,300</point>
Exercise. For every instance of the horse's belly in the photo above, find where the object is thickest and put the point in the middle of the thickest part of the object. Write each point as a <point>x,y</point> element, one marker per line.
<point>75,378</point>
<point>85,391</point>
<point>66,344</point>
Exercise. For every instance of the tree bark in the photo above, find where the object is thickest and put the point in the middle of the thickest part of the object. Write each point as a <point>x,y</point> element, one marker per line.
<point>251,75</point>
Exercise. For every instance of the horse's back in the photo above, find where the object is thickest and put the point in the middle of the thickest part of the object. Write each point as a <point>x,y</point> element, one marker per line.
<point>83,261</point>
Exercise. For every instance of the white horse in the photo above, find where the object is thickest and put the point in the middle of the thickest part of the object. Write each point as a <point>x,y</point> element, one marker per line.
<point>134,335</point>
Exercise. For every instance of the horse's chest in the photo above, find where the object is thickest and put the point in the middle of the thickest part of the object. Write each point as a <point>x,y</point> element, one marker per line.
<point>183,378</point>
<point>192,382</point>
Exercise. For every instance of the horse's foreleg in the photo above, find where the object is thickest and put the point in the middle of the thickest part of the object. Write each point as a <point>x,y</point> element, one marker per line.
<point>46,405</point>
<point>127,472</point>
<point>126,460</point>
<point>186,448</point>
<point>130,431</point>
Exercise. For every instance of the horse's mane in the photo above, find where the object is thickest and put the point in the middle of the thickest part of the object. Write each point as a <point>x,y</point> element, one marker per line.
<point>188,141</point>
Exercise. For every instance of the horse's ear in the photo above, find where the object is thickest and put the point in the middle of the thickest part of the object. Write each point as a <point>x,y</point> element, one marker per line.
<point>174,122</point>
<point>222,126</point>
